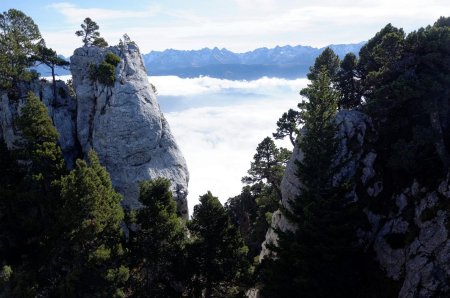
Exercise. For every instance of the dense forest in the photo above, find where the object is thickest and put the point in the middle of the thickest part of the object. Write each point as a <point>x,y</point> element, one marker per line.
<point>64,232</point>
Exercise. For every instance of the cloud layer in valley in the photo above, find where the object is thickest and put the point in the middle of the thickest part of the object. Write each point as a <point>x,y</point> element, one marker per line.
<point>219,141</point>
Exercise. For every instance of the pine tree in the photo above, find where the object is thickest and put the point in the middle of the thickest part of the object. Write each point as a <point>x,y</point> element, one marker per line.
<point>90,34</point>
<point>49,58</point>
<point>347,84</point>
<point>311,261</point>
<point>268,164</point>
<point>327,60</point>
<point>19,37</point>
<point>90,248</point>
<point>288,125</point>
<point>31,199</point>
<point>158,244</point>
<point>217,252</point>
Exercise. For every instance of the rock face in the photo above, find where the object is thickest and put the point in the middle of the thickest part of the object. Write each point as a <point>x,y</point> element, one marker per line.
<point>63,112</point>
<point>124,125</point>
<point>410,241</point>
<point>354,128</point>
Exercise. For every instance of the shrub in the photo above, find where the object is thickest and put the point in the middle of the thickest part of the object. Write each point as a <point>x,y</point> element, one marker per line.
<point>112,59</point>
<point>105,71</point>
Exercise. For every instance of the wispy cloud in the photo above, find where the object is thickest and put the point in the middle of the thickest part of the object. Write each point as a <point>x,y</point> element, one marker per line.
<point>74,13</point>
<point>251,24</point>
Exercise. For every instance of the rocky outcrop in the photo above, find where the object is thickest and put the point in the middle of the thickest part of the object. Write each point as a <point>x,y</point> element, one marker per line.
<point>62,110</point>
<point>122,122</point>
<point>354,128</point>
<point>412,245</point>
<point>409,238</point>
<point>124,125</point>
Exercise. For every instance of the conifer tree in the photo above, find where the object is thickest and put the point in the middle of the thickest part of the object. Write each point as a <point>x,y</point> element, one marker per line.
<point>327,60</point>
<point>288,125</point>
<point>268,164</point>
<point>90,248</point>
<point>347,84</point>
<point>49,58</point>
<point>90,35</point>
<point>19,37</point>
<point>32,199</point>
<point>217,252</point>
<point>311,261</point>
<point>158,244</point>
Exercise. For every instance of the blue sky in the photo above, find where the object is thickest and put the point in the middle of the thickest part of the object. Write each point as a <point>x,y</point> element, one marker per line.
<point>238,25</point>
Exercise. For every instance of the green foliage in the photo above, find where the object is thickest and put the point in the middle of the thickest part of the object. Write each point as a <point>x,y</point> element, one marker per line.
<point>49,58</point>
<point>315,260</point>
<point>157,245</point>
<point>405,81</point>
<point>71,88</point>
<point>31,200</point>
<point>105,71</point>
<point>5,274</point>
<point>112,59</point>
<point>346,82</point>
<point>90,230</point>
<point>247,211</point>
<point>90,35</point>
<point>34,122</point>
<point>100,42</point>
<point>217,253</point>
<point>319,143</point>
<point>41,139</point>
<point>268,164</point>
<point>328,60</point>
<point>19,37</point>
<point>376,64</point>
<point>288,125</point>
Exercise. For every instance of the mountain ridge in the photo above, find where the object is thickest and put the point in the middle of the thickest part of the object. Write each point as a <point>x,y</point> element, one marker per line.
<point>288,62</point>
<point>281,61</point>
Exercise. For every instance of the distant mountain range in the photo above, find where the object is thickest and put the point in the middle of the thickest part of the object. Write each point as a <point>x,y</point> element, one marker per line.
<point>284,62</point>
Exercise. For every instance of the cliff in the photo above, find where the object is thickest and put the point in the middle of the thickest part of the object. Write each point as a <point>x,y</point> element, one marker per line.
<point>406,234</point>
<point>122,122</point>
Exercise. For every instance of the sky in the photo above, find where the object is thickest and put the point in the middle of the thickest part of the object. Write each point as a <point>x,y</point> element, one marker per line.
<point>238,25</point>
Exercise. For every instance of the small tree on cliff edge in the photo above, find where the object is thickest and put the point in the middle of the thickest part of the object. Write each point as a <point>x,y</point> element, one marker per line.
<point>90,34</point>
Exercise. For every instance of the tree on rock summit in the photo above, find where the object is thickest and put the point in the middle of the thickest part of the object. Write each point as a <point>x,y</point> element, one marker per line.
<point>90,34</point>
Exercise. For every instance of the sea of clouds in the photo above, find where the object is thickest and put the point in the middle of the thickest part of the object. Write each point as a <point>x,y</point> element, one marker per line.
<point>218,124</point>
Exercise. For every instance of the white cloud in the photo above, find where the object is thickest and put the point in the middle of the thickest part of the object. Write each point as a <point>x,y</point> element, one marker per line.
<point>250,24</point>
<point>219,142</point>
<point>76,14</point>
<point>176,86</point>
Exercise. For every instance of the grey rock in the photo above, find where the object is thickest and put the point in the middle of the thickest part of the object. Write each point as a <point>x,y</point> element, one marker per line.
<point>420,263</point>
<point>124,125</point>
<point>62,111</point>
<point>353,126</point>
